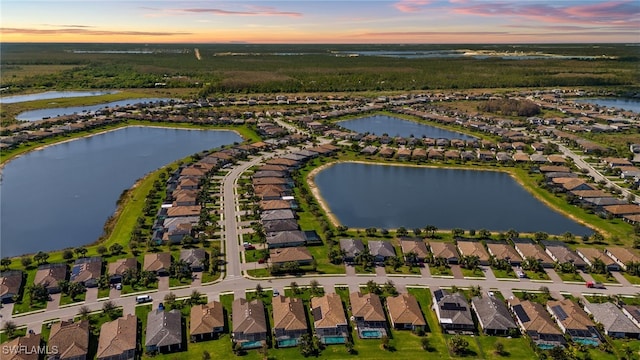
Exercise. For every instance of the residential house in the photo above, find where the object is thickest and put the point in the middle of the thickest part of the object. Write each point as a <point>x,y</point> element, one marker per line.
<point>444,250</point>
<point>206,321</point>
<point>621,210</point>
<point>405,313</point>
<point>573,321</point>
<point>381,250</point>
<point>622,256</point>
<point>23,346</point>
<point>49,275</point>
<point>329,317</point>
<point>416,246</point>
<point>474,248</point>
<point>536,323</point>
<point>280,225</point>
<point>614,322</point>
<point>119,267</point>
<point>503,251</point>
<point>528,249</point>
<point>277,215</point>
<point>493,316</point>
<point>368,315</point>
<point>561,254</point>
<point>453,312</point>
<point>196,258</point>
<point>632,312</point>
<point>285,239</point>
<point>590,254</point>
<point>180,211</point>
<point>87,271</point>
<point>299,255</point>
<point>164,331</point>
<point>10,284</point>
<point>159,263</point>
<point>70,338</point>
<point>351,249</point>
<point>118,339</point>
<point>289,320</point>
<point>249,323</point>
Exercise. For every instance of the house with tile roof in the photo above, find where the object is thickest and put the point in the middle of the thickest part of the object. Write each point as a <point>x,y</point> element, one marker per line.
<point>249,323</point>
<point>614,322</point>
<point>23,344</point>
<point>503,251</point>
<point>535,322</point>
<point>289,320</point>
<point>49,275</point>
<point>405,313</point>
<point>574,321</point>
<point>159,263</point>
<point>453,312</point>
<point>368,314</point>
<point>164,331</point>
<point>118,339</point>
<point>10,283</point>
<point>329,317</point>
<point>493,316</point>
<point>206,321</point>
<point>444,250</point>
<point>71,338</point>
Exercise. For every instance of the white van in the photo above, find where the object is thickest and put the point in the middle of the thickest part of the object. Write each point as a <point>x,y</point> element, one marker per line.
<point>143,299</point>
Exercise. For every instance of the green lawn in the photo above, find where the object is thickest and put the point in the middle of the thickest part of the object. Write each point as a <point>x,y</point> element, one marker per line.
<point>533,296</point>
<point>505,274</point>
<point>534,275</point>
<point>631,278</point>
<point>404,270</point>
<point>19,332</point>
<point>208,277</point>
<point>440,271</point>
<point>472,273</point>
<point>258,273</point>
<point>66,299</point>
<point>608,278</point>
<point>128,289</point>
<point>570,276</point>
<point>24,304</point>
<point>103,293</point>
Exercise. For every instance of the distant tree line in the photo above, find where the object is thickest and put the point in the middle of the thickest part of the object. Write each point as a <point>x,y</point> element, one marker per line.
<point>510,107</point>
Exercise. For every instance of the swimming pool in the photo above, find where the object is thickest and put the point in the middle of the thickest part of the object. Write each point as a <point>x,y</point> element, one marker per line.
<point>546,346</point>
<point>287,342</point>
<point>251,344</point>
<point>587,341</point>
<point>328,340</point>
<point>371,334</point>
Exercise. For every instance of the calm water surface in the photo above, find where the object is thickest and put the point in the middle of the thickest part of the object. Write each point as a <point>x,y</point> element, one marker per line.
<point>364,195</point>
<point>60,196</point>
<point>392,126</point>
<point>35,115</point>
<point>51,95</point>
<point>618,103</point>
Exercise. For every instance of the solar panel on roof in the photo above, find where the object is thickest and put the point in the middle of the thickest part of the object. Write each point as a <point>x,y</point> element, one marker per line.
<point>439,294</point>
<point>521,314</point>
<point>559,311</point>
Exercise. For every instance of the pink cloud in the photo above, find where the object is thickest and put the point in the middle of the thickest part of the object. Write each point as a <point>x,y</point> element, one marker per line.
<point>81,31</point>
<point>251,11</point>
<point>411,6</point>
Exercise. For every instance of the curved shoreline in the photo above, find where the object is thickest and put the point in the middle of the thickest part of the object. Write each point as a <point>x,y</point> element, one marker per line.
<point>334,220</point>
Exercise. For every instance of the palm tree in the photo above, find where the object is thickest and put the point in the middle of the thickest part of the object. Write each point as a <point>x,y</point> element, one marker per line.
<point>84,312</point>
<point>10,328</point>
<point>411,258</point>
<point>430,230</point>
<point>5,262</point>
<point>41,257</point>
<point>314,288</point>
<point>81,251</point>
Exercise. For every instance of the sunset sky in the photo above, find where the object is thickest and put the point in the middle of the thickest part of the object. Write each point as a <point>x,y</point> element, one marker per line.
<point>305,21</point>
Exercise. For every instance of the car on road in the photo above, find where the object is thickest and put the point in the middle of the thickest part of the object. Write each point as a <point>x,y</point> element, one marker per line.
<point>276,293</point>
<point>595,285</point>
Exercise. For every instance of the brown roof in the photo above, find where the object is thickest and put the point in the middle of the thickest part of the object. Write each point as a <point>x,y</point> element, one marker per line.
<point>281,161</point>
<point>49,275</point>
<point>418,247</point>
<point>288,314</point>
<point>191,210</point>
<point>624,255</point>
<point>157,261</point>
<point>529,249</point>
<point>328,311</point>
<point>626,209</point>
<point>206,317</point>
<point>503,251</point>
<point>538,318</point>
<point>443,250</point>
<point>118,336</point>
<point>10,282</point>
<point>593,253</point>
<point>23,344</point>
<point>269,181</point>
<point>576,319</point>
<point>248,316</point>
<point>404,309</point>
<point>86,269</point>
<point>554,168</point>
<point>366,306</point>
<point>590,193</point>
<point>473,248</point>
<point>71,338</point>
<point>563,180</point>
<point>275,204</point>
<point>283,255</point>
<point>119,266</point>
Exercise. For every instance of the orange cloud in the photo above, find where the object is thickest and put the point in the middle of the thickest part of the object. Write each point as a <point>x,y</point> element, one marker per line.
<point>82,31</point>
<point>251,11</point>
<point>411,6</point>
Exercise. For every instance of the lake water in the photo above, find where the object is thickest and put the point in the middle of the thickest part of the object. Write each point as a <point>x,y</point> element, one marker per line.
<point>35,115</point>
<point>61,196</point>
<point>366,195</point>
<point>51,95</point>
<point>392,126</point>
<point>618,103</point>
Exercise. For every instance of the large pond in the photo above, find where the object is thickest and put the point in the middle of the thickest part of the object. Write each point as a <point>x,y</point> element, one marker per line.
<point>392,126</point>
<point>618,103</point>
<point>60,196</point>
<point>51,95</point>
<point>366,195</point>
<point>35,115</point>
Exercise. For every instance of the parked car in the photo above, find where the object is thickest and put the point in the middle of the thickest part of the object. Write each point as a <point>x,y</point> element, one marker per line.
<point>521,274</point>
<point>119,286</point>
<point>276,293</point>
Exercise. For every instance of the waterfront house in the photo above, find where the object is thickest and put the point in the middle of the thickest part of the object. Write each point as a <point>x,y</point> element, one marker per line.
<point>381,250</point>
<point>527,248</point>
<point>503,251</point>
<point>180,211</point>
<point>574,321</point>
<point>206,321</point>
<point>329,317</point>
<point>277,215</point>
<point>614,322</point>
<point>285,239</point>
<point>280,225</point>
<point>22,346</point>
<point>70,338</point>
<point>590,254</point>
<point>300,255</point>
<point>536,323</point>
<point>621,210</point>
<point>416,246</point>
<point>622,256</point>
<point>159,263</point>
<point>453,312</point>
<point>249,323</point>
<point>87,271</point>
<point>196,258</point>
<point>10,283</point>
<point>493,316</point>
<point>368,314</point>
<point>561,254</point>
<point>275,205</point>
<point>474,248</point>
<point>119,267</point>
<point>289,320</point>
<point>164,331</point>
<point>405,313</point>
<point>49,275</point>
<point>444,250</point>
<point>118,339</point>
<point>351,249</point>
